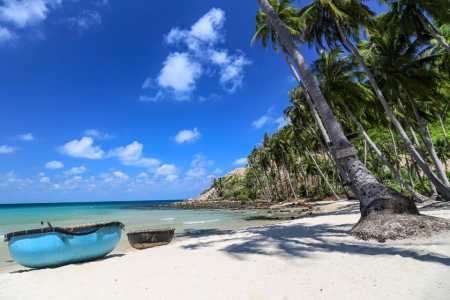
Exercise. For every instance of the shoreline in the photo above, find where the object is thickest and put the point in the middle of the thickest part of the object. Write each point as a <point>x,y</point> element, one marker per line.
<point>311,257</point>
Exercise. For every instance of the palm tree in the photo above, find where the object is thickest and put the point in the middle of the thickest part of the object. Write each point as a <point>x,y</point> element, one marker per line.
<point>411,16</point>
<point>405,70</point>
<point>341,21</point>
<point>341,82</point>
<point>378,203</point>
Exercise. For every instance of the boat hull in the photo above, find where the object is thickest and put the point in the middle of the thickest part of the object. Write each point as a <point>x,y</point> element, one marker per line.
<point>150,238</point>
<point>53,249</point>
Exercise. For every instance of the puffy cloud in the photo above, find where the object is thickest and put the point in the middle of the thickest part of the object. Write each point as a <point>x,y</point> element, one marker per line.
<point>207,30</point>
<point>115,177</point>
<point>97,134</point>
<point>158,96</point>
<point>268,119</point>
<point>54,165</point>
<point>232,73</point>
<point>168,171</point>
<point>27,137</point>
<point>199,167</point>
<point>6,34</point>
<point>26,12</point>
<point>44,179</point>
<point>86,20</point>
<point>240,161</point>
<point>187,135</point>
<point>76,170</point>
<point>5,149</point>
<point>261,121</point>
<point>179,74</point>
<point>120,175</point>
<point>83,148</point>
<point>282,122</point>
<point>181,71</point>
<point>131,155</point>
<point>171,177</point>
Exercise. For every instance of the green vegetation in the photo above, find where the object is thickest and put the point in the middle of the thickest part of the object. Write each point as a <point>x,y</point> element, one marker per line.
<point>369,116</point>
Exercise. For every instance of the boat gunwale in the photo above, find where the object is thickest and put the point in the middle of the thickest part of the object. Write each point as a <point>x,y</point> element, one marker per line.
<point>65,230</point>
<point>151,231</point>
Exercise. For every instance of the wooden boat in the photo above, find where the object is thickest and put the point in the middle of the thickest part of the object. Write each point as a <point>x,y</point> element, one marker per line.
<point>56,246</point>
<point>144,239</point>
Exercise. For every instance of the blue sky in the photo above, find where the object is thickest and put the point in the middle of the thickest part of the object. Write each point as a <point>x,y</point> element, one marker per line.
<point>130,100</point>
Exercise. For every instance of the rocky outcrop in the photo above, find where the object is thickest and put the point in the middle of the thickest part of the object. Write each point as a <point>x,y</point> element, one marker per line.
<point>212,194</point>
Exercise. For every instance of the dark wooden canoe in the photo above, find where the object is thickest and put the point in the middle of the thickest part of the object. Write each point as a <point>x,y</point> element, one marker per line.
<point>144,239</point>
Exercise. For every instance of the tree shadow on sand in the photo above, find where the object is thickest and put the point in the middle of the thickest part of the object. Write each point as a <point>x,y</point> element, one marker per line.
<point>302,240</point>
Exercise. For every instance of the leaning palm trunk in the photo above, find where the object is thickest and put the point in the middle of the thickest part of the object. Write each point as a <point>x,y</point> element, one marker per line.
<point>286,167</point>
<point>442,189</point>
<point>383,158</point>
<point>426,137</point>
<point>385,213</point>
<point>319,122</point>
<point>322,174</point>
<point>444,130</point>
<point>433,31</point>
<point>315,114</point>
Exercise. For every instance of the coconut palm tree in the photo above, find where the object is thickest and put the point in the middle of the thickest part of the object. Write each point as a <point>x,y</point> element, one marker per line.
<point>341,81</point>
<point>411,16</point>
<point>340,21</point>
<point>405,70</point>
<point>379,204</point>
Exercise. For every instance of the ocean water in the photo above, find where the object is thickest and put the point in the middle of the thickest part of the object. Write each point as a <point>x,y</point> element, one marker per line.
<point>135,215</point>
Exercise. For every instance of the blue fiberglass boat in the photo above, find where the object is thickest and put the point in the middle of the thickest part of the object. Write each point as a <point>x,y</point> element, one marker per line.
<point>56,246</point>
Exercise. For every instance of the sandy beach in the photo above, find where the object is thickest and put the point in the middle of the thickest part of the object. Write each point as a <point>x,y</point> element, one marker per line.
<point>309,258</point>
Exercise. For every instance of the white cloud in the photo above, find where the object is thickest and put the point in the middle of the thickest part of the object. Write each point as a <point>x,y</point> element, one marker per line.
<point>207,28</point>
<point>6,34</point>
<point>76,170</point>
<point>187,135</point>
<point>26,12</point>
<point>54,165</point>
<point>260,122</point>
<point>27,137</point>
<point>171,177</point>
<point>120,175</point>
<point>179,74</point>
<point>281,122</point>
<point>148,83</point>
<point>44,179</point>
<point>268,119</point>
<point>219,57</point>
<point>232,73</point>
<point>142,175</point>
<point>166,170</point>
<point>86,20</point>
<point>97,134</point>
<point>181,71</point>
<point>240,161</point>
<point>158,96</point>
<point>115,177</point>
<point>4,149</point>
<point>131,155</point>
<point>83,148</point>
<point>199,167</point>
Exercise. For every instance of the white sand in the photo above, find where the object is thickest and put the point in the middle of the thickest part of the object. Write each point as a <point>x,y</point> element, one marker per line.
<point>311,258</point>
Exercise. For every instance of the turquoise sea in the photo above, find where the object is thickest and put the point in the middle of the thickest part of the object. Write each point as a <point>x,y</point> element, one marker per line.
<point>135,215</point>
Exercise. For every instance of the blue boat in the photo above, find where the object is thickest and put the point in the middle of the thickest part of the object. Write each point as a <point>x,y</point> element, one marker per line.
<point>56,246</point>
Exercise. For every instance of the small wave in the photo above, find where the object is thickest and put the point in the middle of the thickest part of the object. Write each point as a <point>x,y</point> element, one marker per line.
<point>167,219</point>
<point>200,222</point>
